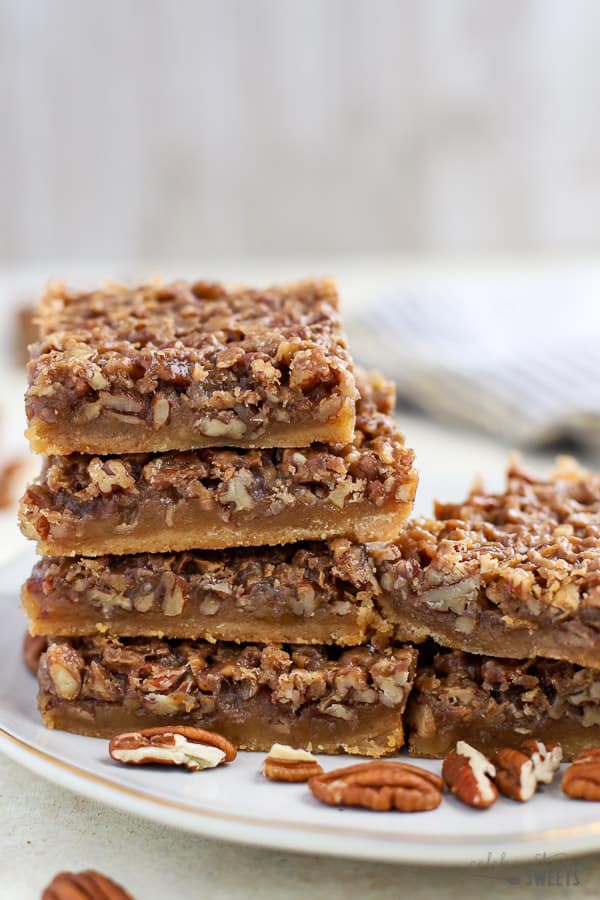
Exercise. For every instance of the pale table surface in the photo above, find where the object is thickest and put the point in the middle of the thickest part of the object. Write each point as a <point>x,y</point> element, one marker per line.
<point>45,829</point>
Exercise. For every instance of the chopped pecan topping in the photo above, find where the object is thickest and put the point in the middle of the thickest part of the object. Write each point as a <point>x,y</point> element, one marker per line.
<point>173,678</point>
<point>107,476</point>
<point>160,411</point>
<point>64,665</point>
<point>528,555</point>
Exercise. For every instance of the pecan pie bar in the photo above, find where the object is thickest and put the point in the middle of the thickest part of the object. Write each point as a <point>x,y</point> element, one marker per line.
<point>216,498</point>
<point>492,703</point>
<point>515,574</point>
<point>315,698</point>
<point>312,593</point>
<point>182,366</point>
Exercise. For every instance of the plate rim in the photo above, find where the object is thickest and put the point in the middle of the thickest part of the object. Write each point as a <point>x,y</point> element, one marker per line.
<point>322,839</point>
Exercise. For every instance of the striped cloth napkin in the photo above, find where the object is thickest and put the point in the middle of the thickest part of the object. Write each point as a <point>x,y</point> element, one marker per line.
<point>524,367</point>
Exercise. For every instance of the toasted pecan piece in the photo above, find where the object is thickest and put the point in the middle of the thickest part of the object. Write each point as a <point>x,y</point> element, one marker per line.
<point>285,763</point>
<point>33,647</point>
<point>546,758</point>
<point>379,786</point>
<point>468,774</point>
<point>582,778</point>
<point>515,775</point>
<point>172,745</point>
<point>87,885</point>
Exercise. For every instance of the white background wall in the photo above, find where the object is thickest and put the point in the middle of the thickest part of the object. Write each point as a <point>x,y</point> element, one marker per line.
<point>173,128</point>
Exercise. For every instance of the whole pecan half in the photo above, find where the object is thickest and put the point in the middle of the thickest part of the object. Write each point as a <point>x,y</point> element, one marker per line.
<point>468,774</point>
<point>288,764</point>
<point>172,745</point>
<point>33,647</point>
<point>582,778</point>
<point>379,786</point>
<point>86,885</point>
<point>515,774</point>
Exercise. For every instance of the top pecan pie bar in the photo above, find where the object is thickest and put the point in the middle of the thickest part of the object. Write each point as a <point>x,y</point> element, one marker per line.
<point>183,366</point>
<point>515,574</point>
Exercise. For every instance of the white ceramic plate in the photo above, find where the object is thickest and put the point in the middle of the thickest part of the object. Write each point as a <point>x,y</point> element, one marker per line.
<point>237,803</point>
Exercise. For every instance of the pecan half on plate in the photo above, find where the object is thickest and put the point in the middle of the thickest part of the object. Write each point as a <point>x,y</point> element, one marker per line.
<point>582,778</point>
<point>379,786</point>
<point>515,774</point>
<point>172,745</point>
<point>288,764</point>
<point>546,758</point>
<point>519,772</point>
<point>468,774</point>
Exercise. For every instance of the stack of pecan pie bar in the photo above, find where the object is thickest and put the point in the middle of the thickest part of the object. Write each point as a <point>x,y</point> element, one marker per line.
<point>222,516</point>
<point>213,472</point>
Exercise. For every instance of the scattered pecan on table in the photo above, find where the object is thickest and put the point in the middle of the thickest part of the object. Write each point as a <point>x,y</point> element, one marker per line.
<point>88,885</point>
